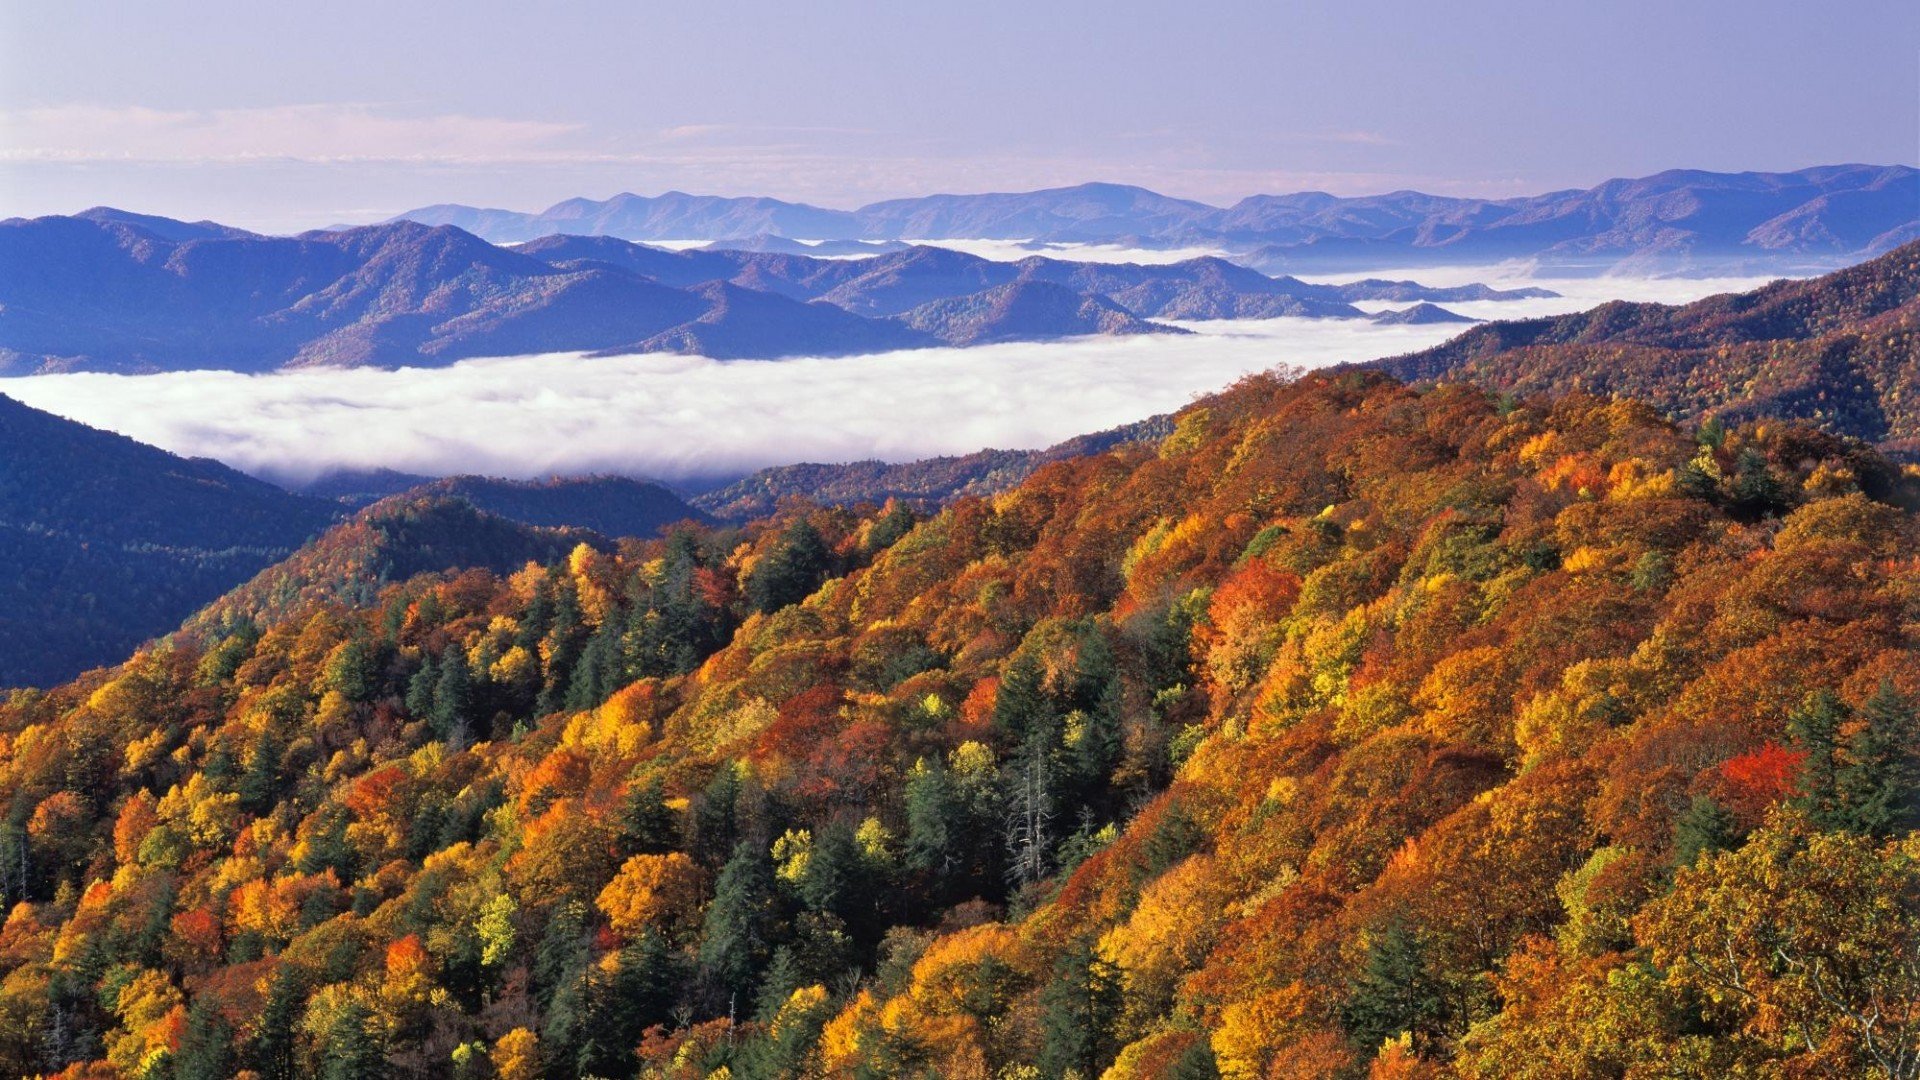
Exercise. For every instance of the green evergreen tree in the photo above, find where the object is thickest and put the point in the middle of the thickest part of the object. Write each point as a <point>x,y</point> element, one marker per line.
<point>716,818</point>
<point>421,686</point>
<point>1174,837</point>
<point>647,824</point>
<point>1755,489</point>
<point>790,573</point>
<point>1705,827</point>
<point>936,817</point>
<point>1877,787</point>
<point>897,521</point>
<point>1030,811</point>
<point>453,697</point>
<point>260,784</point>
<point>355,671</point>
<point>206,1047</point>
<point>783,977</point>
<point>1079,1010</point>
<point>1021,703</point>
<point>651,982</point>
<point>835,879</point>
<point>1814,728</point>
<point>353,1049</point>
<point>537,619</point>
<point>562,974</point>
<point>562,648</point>
<point>648,981</point>
<point>736,938</point>
<point>1197,1063</point>
<point>1394,993</point>
<point>599,672</point>
<point>1096,745</point>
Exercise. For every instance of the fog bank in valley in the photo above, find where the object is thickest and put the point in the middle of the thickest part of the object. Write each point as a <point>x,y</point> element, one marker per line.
<point>688,418</point>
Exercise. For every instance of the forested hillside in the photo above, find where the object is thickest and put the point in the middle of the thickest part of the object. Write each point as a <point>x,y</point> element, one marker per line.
<point>927,483</point>
<point>1350,730</point>
<point>1840,351</point>
<point>106,542</point>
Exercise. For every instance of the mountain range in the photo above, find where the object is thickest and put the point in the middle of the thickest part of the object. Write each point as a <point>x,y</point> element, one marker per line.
<point>111,291</point>
<point>1840,352</point>
<point>1672,220</point>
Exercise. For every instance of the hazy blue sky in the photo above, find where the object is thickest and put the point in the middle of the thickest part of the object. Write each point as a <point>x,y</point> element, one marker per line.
<point>276,116</point>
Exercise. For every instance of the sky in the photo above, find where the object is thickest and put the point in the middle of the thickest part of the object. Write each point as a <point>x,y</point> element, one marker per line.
<point>280,117</point>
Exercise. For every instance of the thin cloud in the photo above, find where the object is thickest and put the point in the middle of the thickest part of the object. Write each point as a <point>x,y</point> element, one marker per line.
<point>320,133</point>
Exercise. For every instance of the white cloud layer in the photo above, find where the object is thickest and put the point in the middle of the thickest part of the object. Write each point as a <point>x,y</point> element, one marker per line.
<point>686,418</point>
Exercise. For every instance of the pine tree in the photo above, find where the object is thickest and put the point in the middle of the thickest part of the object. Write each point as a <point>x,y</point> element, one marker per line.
<point>647,825</point>
<point>935,818</point>
<point>452,697</point>
<point>1705,827</point>
<point>353,671</point>
<point>1815,729</point>
<point>716,818</point>
<point>783,977</point>
<point>1079,1009</point>
<point>537,619</point>
<point>1174,837</point>
<point>1021,702</point>
<point>562,648</point>
<point>646,983</point>
<point>1096,743</point>
<point>259,784</point>
<point>562,970</point>
<point>1877,788</point>
<point>601,665</point>
<point>1755,489</point>
<point>790,573</point>
<point>736,938</point>
<point>652,979</point>
<point>206,1047</point>
<point>1197,1063</point>
<point>835,880</point>
<point>1394,993</point>
<point>420,688</point>
<point>353,1050</point>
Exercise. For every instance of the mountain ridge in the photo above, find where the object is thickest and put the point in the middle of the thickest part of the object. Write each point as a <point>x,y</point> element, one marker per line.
<point>1676,218</point>
<point>112,292</point>
<point>1841,352</point>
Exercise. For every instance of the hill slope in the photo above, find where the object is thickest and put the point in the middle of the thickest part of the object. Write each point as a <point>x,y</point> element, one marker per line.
<point>1026,311</point>
<point>392,540</point>
<point>928,483</point>
<point>1840,351</point>
<point>613,506</point>
<point>1353,729</point>
<point>107,542</point>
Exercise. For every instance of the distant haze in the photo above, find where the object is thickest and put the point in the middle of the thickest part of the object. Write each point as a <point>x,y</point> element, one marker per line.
<point>281,117</point>
<point>687,418</point>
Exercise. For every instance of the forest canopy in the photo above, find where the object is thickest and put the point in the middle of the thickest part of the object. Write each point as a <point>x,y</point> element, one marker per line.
<point>1352,729</point>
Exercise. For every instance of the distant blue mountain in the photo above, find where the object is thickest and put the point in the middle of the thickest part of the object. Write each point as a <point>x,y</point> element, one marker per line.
<point>113,291</point>
<point>1673,219</point>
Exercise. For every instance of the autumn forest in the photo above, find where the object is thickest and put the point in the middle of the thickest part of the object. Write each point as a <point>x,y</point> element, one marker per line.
<point>1344,727</point>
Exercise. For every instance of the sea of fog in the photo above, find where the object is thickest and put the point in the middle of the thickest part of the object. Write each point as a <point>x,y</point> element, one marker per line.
<point>688,418</point>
